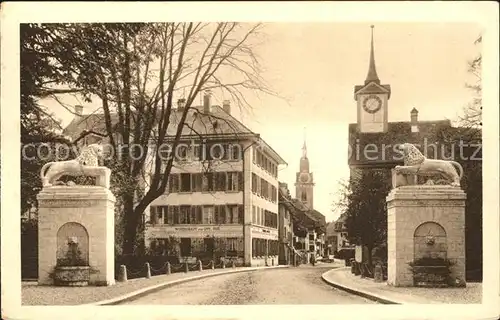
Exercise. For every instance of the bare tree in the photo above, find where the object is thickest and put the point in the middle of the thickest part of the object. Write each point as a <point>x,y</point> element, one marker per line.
<point>472,117</point>
<point>137,82</point>
<point>341,202</point>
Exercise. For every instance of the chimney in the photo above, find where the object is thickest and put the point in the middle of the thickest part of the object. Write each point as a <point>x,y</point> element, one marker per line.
<point>79,110</point>
<point>206,102</point>
<point>226,106</point>
<point>181,104</point>
<point>414,120</point>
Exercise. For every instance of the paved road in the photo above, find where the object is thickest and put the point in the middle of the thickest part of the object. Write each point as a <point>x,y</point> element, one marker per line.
<point>302,285</point>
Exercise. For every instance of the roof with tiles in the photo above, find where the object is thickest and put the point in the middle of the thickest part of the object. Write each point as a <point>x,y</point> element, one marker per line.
<point>218,124</point>
<point>311,218</point>
<point>298,210</point>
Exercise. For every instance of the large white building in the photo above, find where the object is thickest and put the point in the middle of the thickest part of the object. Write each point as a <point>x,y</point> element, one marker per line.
<point>220,209</point>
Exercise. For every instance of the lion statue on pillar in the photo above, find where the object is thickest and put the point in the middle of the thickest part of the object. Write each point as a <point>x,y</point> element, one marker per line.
<point>86,164</point>
<point>415,163</point>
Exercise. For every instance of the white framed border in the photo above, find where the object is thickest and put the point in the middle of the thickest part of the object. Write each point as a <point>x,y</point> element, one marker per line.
<point>484,13</point>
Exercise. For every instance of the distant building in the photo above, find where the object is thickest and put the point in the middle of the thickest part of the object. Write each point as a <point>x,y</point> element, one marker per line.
<point>304,191</point>
<point>222,197</point>
<point>343,246</point>
<point>331,238</point>
<point>287,253</point>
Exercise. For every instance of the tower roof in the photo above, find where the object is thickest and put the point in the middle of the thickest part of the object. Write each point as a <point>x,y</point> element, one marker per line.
<point>304,162</point>
<point>304,146</point>
<point>304,150</point>
<point>372,71</point>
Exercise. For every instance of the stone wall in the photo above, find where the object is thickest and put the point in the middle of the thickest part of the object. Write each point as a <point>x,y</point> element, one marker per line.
<point>411,206</point>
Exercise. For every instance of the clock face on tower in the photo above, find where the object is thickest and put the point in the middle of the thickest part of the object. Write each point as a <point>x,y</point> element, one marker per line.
<point>304,178</point>
<point>372,103</point>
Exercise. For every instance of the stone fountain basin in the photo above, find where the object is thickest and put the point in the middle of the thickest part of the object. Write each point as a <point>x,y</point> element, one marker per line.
<point>430,276</point>
<point>75,276</point>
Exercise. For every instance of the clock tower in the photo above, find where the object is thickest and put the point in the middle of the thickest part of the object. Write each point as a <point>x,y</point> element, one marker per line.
<point>304,183</point>
<point>372,98</point>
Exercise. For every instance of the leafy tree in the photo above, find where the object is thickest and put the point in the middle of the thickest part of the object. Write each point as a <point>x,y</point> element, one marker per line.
<point>134,71</point>
<point>38,126</point>
<point>366,208</point>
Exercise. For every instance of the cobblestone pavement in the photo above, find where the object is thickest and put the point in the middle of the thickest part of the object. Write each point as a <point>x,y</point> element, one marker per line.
<point>302,285</point>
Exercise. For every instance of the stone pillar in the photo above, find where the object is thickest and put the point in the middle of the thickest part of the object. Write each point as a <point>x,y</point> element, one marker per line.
<point>408,207</point>
<point>85,212</point>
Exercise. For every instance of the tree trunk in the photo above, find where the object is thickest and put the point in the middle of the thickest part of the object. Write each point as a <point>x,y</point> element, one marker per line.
<point>131,224</point>
<point>369,256</point>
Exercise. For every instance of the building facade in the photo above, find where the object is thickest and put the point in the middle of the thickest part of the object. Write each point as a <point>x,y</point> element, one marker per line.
<point>342,246</point>
<point>287,253</point>
<point>331,239</point>
<point>228,212</point>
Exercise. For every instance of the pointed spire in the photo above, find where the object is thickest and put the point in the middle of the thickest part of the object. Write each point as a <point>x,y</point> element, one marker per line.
<point>372,71</point>
<point>304,147</point>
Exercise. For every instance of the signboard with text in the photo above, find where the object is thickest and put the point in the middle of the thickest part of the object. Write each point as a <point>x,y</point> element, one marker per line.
<point>264,233</point>
<point>228,231</point>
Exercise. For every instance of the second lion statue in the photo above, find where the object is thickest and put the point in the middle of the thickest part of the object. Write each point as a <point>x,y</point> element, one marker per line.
<point>417,164</point>
<point>85,164</point>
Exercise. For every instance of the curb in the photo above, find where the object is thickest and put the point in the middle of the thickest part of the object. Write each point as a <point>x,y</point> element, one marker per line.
<point>358,292</point>
<point>148,290</point>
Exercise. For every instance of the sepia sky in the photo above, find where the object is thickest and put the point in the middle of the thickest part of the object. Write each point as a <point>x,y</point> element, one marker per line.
<point>314,68</point>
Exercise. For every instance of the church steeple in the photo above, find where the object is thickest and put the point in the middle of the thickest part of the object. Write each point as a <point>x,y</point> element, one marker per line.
<point>372,71</point>
<point>304,162</point>
<point>304,183</point>
<point>304,147</point>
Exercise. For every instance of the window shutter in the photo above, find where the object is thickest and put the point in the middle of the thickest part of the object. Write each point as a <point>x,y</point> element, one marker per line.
<point>199,214</point>
<point>176,215</point>
<point>174,183</point>
<point>241,184</point>
<point>241,214</point>
<point>217,213</point>
<point>170,214</point>
<point>228,215</point>
<point>197,182</point>
<point>152,215</point>
<point>167,187</point>
<point>220,181</point>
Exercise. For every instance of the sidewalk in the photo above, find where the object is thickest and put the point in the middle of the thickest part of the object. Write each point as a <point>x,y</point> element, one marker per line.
<point>32,294</point>
<point>343,279</point>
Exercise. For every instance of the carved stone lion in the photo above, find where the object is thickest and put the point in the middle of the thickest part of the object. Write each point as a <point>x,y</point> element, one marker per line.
<point>417,164</point>
<point>86,164</point>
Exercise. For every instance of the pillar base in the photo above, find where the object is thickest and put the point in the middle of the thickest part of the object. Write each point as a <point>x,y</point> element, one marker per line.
<point>84,214</point>
<point>409,207</point>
